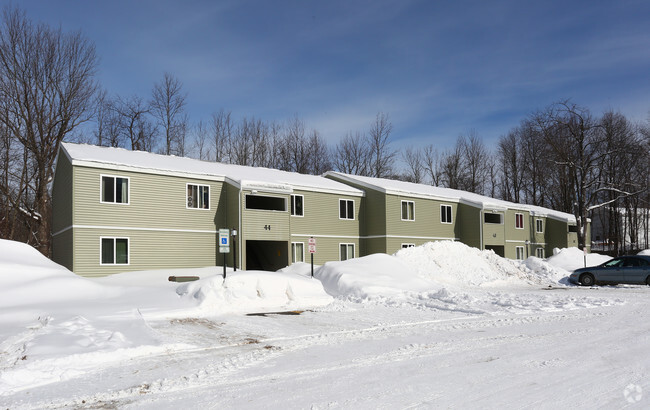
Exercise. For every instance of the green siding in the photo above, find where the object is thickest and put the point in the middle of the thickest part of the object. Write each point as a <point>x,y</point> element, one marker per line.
<point>62,249</point>
<point>494,234</point>
<point>147,250</point>
<point>155,201</point>
<point>321,220</point>
<point>469,221</point>
<point>62,194</point>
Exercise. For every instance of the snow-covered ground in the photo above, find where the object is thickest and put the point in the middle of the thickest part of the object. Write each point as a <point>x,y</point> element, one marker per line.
<point>436,326</point>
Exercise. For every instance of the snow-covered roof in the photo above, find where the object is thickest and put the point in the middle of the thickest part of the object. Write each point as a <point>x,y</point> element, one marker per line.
<point>263,179</point>
<point>396,187</point>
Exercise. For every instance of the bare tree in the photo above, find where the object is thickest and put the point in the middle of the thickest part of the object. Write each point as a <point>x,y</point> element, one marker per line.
<point>452,172</point>
<point>351,155</point>
<point>46,89</point>
<point>319,153</point>
<point>167,106</point>
<point>476,162</point>
<point>414,162</point>
<point>222,130</point>
<point>135,124</point>
<point>201,147</point>
<point>431,163</point>
<point>381,156</point>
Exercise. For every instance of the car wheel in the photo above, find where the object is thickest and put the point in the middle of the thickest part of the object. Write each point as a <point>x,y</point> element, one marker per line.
<point>587,279</point>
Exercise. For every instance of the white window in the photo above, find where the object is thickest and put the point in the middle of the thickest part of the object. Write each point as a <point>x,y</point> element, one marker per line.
<point>297,252</point>
<point>346,251</point>
<point>198,196</point>
<point>445,214</point>
<point>539,252</point>
<point>539,225</point>
<point>114,190</point>
<point>296,205</point>
<point>408,211</point>
<point>114,251</point>
<point>346,209</point>
<point>408,245</point>
<point>520,252</point>
<point>519,221</point>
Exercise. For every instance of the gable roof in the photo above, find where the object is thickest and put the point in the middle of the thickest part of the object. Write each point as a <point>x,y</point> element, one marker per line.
<point>257,178</point>
<point>395,187</point>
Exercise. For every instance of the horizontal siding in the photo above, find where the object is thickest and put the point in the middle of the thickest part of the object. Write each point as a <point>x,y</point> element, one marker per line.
<point>372,216</point>
<point>62,194</point>
<point>395,244</point>
<point>427,222</point>
<point>62,249</point>
<point>469,222</point>
<point>327,249</point>
<point>147,250</point>
<point>156,201</point>
<point>493,234</point>
<point>511,231</point>
<point>321,216</point>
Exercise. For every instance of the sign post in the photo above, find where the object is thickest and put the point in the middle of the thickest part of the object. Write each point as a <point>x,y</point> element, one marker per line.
<point>224,246</point>
<point>312,250</point>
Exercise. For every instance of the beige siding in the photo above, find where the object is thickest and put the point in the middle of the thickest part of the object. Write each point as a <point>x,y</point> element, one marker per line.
<point>427,223</point>
<point>493,234</point>
<point>373,213</point>
<point>321,220</point>
<point>155,201</point>
<point>147,250</point>
<point>62,194</point>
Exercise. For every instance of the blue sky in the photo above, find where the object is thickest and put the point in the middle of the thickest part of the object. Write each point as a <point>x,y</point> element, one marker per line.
<point>438,68</point>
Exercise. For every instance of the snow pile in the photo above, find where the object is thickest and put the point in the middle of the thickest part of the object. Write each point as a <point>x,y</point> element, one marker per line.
<point>571,259</point>
<point>371,276</point>
<point>458,265</point>
<point>27,278</point>
<point>246,291</point>
<point>645,252</point>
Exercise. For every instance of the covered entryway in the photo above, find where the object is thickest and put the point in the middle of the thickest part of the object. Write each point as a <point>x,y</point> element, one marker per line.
<point>267,255</point>
<point>498,249</point>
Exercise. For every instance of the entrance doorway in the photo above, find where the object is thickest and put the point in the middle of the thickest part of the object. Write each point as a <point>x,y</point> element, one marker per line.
<point>498,249</point>
<point>266,255</point>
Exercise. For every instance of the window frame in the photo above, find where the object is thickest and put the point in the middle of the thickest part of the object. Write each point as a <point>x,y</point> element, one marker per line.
<point>517,250</point>
<point>187,185</point>
<point>285,199</point>
<point>101,189</point>
<point>114,238</point>
<point>539,251</point>
<point>412,209</point>
<point>519,217</point>
<point>293,252</point>
<point>499,214</point>
<point>293,205</point>
<point>348,246</point>
<point>443,211</point>
<point>539,225</point>
<point>346,209</point>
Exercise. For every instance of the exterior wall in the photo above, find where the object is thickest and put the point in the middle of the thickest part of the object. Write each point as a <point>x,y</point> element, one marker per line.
<point>162,231</point>
<point>321,220</point>
<point>62,249</point>
<point>515,237</point>
<point>493,234</point>
<point>469,221</point>
<point>62,194</point>
<point>147,250</point>
<point>538,239</point>
<point>425,227</point>
<point>62,213</point>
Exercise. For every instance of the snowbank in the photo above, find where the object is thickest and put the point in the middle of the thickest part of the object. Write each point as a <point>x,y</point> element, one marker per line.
<point>459,265</point>
<point>247,291</point>
<point>571,259</point>
<point>369,276</point>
